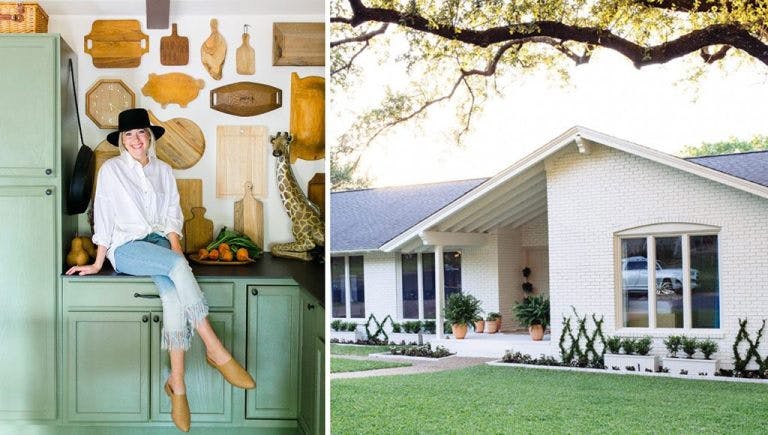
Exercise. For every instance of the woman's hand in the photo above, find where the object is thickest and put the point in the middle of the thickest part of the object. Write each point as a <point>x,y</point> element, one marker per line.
<point>88,269</point>
<point>175,243</point>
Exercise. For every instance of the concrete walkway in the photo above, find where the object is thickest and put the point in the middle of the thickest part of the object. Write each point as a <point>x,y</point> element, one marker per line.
<point>419,366</point>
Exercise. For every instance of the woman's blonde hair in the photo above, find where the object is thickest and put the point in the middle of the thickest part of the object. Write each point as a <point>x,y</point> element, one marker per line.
<point>150,148</point>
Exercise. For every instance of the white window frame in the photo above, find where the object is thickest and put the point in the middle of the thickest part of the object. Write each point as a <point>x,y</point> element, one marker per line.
<point>347,289</point>
<point>651,233</point>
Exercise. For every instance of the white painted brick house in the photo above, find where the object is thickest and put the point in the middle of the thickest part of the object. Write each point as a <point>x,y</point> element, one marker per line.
<point>587,213</point>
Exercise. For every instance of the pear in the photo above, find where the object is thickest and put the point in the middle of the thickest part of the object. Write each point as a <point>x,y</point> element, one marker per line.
<point>88,246</point>
<point>77,255</point>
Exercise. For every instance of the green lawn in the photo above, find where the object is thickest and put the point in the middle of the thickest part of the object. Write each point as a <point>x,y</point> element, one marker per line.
<point>356,365</point>
<point>345,349</point>
<point>487,399</point>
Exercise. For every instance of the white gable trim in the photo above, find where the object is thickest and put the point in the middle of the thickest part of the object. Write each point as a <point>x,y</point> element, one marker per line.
<point>576,135</point>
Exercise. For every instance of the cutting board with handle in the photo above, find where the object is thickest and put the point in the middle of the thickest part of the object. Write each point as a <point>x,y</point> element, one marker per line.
<point>116,43</point>
<point>213,51</point>
<point>198,231</point>
<point>190,195</point>
<point>183,143</point>
<point>172,88</point>
<point>241,155</point>
<point>249,216</point>
<point>174,49</point>
<point>246,98</point>
<point>245,57</point>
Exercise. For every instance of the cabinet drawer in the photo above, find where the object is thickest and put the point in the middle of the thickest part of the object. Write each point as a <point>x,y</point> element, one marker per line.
<point>129,294</point>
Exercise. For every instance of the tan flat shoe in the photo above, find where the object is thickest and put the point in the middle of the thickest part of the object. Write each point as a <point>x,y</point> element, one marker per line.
<point>179,409</point>
<point>234,373</point>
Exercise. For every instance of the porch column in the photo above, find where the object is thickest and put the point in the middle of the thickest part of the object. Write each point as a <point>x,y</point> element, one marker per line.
<point>439,290</point>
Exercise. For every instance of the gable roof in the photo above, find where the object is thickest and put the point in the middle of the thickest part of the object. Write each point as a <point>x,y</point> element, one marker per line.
<point>363,220</point>
<point>750,166</point>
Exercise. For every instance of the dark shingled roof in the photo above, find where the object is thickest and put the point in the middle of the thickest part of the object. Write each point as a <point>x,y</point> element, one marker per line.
<point>752,166</point>
<point>363,220</point>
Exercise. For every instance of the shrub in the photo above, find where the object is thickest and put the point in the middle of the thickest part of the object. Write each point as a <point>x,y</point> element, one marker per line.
<point>493,317</point>
<point>533,310</point>
<point>429,326</point>
<point>462,309</point>
<point>336,325</point>
<point>351,326</point>
<point>629,344</point>
<point>689,346</point>
<point>643,345</point>
<point>673,343</point>
<point>412,326</point>
<point>708,347</point>
<point>396,327</point>
<point>423,351</point>
<point>613,344</point>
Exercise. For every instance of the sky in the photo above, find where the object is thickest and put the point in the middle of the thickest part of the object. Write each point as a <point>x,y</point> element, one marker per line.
<point>655,107</point>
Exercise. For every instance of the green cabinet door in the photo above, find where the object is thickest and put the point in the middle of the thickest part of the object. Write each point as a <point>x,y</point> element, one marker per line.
<point>209,395</point>
<point>272,351</point>
<point>320,371</point>
<point>107,375</point>
<point>308,381</point>
<point>28,303</point>
<point>28,115</point>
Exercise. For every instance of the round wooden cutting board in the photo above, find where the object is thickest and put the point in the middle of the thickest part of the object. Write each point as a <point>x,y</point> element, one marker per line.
<point>183,143</point>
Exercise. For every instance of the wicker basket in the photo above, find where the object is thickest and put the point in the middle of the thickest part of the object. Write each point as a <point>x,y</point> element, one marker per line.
<point>23,18</point>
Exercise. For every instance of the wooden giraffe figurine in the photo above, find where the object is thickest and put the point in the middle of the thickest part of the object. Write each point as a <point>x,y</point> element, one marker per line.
<point>307,222</point>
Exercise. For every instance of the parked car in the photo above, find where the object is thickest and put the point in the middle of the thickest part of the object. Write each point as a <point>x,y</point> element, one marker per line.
<point>634,276</point>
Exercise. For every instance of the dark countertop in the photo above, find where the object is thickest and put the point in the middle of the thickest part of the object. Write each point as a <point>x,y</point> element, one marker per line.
<point>309,275</point>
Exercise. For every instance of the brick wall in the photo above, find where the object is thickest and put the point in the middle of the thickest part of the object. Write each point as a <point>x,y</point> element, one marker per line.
<point>592,197</point>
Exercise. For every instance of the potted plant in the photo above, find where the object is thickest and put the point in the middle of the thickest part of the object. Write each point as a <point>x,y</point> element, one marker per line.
<point>492,323</point>
<point>461,310</point>
<point>479,324</point>
<point>690,365</point>
<point>533,312</point>
<point>527,286</point>
<point>635,357</point>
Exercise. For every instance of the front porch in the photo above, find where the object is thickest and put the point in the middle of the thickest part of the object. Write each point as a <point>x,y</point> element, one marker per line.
<point>494,345</point>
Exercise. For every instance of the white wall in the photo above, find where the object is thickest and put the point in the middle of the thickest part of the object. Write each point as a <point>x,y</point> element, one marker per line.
<point>220,210</point>
<point>592,197</point>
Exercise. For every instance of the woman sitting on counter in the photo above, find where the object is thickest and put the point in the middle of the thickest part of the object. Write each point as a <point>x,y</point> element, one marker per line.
<point>137,222</point>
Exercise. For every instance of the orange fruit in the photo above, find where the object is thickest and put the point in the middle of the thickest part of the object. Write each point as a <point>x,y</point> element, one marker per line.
<point>202,253</point>
<point>226,256</point>
<point>242,254</point>
<point>213,255</point>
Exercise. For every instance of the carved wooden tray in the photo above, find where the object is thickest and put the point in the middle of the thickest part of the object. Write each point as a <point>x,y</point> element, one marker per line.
<point>196,259</point>
<point>246,98</point>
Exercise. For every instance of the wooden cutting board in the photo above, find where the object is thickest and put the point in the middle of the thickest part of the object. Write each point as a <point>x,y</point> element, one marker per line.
<point>316,191</point>
<point>190,195</point>
<point>246,98</point>
<point>249,216</point>
<point>307,117</point>
<point>245,58</point>
<point>172,88</point>
<point>116,43</point>
<point>198,231</point>
<point>241,155</point>
<point>183,143</point>
<point>300,44</point>
<point>103,152</point>
<point>174,49</point>
<point>213,51</point>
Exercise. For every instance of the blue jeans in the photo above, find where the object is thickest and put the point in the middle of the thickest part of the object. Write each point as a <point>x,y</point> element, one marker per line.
<point>184,305</point>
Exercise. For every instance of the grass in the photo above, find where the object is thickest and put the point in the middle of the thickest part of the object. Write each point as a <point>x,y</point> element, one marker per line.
<point>360,350</point>
<point>485,399</point>
<point>355,365</point>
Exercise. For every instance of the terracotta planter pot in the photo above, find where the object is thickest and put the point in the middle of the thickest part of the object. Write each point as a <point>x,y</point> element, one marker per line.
<point>498,324</point>
<point>491,326</point>
<point>459,331</point>
<point>537,332</point>
<point>479,326</point>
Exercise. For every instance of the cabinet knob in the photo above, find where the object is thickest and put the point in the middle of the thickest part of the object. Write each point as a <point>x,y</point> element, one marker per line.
<point>49,192</point>
<point>310,306</point>
<point>48,171</point>
<point>254,291</point>
<point>145,318</point>
<point>156,319</point>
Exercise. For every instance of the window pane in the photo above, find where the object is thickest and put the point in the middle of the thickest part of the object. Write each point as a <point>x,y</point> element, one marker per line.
<point>337,287</point>
<point>428,280</point>
<point>410,286</point>
<point>669,282</point>
<point>356,287</point>
<point>705,288</point>
<point>634,281</point>
<point>452,268</point>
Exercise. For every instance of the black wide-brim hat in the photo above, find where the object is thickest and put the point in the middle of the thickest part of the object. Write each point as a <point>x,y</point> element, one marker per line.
<point>132,119</point>
<point>81,182</point>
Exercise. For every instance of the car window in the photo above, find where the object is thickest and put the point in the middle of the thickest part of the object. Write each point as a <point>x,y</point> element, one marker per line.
<point>636,265</point>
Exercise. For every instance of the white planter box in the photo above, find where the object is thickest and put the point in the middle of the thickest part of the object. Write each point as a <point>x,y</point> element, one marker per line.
<point>347,336</point>
<point>641,363</point>
<point>693,366</point>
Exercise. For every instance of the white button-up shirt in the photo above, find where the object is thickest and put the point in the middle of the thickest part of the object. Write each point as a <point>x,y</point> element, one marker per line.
<point>132,201</point>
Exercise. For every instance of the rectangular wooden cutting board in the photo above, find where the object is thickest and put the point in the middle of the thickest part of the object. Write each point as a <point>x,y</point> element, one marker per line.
<point>116,43</point>
<point>241,155</point>
<point>300,44</point>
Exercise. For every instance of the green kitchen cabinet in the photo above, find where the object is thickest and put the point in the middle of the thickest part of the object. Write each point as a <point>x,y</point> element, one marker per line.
<point>312,397</point>
<point>272,351</point>
<point>37,150</point>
